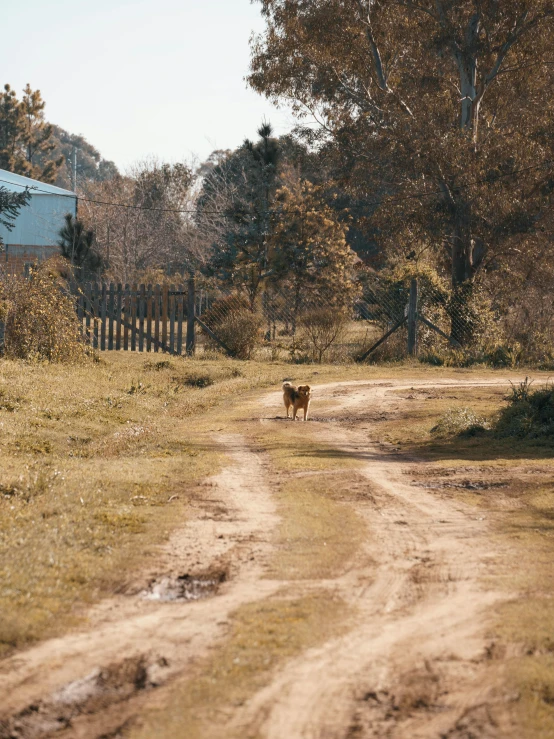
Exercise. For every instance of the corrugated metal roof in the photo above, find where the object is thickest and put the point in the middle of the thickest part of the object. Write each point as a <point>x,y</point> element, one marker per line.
<point>17,183</point>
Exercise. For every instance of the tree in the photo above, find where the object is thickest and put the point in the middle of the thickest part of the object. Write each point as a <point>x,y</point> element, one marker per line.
<point>447,105</point>
<point>10,205</point>
<point>37,138</point>
<point>91,166</point>
<point>310,253</point>
<point>141,220</point>
<point>77,245</point>
<point>25,137</point>
<point>242,188</point>
<point>11,131</point>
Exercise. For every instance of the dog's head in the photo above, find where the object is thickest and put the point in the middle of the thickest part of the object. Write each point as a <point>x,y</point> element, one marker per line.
<point>304,390</point>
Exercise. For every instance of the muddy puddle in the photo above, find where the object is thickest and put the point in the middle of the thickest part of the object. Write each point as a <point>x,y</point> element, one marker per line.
<point>462,484</point>
<point>171,589</point>
<point>89,696</point>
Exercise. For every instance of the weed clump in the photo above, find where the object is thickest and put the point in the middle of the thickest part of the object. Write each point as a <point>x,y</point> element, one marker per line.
<point>529,413</point>
<point>200,379</point>
<point>460,422</point>
<point>158,366</point>
<point>321,329</point>
<point>39,317</point>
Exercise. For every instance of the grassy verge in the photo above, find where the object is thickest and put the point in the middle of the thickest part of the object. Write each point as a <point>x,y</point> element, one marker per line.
<point>99,462</point>
<point>511,482</point>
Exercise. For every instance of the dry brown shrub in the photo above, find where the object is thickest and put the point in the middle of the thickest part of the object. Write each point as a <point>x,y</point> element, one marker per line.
<point>39,316</point>
<point>322,328</point>
<point>238,327</point>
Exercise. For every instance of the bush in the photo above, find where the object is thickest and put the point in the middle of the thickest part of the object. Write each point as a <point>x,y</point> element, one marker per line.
<point>239,328</point>
<point>39,317</point>
<point>529,414</point>
<point>199,379</point>
<point>394,349</point>
<point>321,328</point>
<point>497,355</point>
<point>460,421</point>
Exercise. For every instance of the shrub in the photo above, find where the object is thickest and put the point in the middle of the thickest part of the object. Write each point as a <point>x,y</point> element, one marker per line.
<point>496,355</point>
<point>39,317</point>
<point>458,421</point>
<point>199,379</point>
<point>394,349</point>
<point>321,328</point>
<point>234,324</point>
<point>529,413</point>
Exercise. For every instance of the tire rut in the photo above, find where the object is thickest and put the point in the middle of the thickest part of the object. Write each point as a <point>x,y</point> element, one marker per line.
<point>411,667</point>
<point>85,684</point>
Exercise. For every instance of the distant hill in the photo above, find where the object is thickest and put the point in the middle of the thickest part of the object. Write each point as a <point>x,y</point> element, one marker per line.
<point>91,166</point>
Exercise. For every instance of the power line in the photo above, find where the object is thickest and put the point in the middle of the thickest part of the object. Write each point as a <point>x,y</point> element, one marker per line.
<point>227,213</point>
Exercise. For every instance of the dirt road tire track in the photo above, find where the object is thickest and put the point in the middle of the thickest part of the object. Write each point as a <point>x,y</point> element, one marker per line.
<point>80,685</point>
<point>412,667</point>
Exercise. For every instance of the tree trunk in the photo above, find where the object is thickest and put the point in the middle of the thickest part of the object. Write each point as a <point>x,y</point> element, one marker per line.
<point>462,276</point>
<point>462,245</point>
<point>468,78</point>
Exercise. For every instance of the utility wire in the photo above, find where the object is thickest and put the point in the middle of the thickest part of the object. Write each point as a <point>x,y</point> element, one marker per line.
<point>413,196</point>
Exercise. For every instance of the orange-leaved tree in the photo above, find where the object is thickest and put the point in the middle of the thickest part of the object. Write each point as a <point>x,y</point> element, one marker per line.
<point>309,251</point>
<point>444,106</point>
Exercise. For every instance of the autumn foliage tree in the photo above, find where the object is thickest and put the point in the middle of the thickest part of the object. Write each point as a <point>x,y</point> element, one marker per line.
<point>445,108</point>
<point>309,252</point>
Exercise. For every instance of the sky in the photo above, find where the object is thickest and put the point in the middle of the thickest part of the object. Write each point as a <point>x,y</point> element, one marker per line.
<point>142,78</point>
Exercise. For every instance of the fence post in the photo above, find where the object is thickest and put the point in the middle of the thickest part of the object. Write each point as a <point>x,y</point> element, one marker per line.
<point>191,338</point>
<point>412,319</point>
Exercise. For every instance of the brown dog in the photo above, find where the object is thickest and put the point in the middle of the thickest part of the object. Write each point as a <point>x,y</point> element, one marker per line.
<point>298,397</point>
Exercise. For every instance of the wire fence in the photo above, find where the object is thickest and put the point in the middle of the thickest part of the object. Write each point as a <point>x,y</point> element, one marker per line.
<point>376,318</point>
<point>281,322</point>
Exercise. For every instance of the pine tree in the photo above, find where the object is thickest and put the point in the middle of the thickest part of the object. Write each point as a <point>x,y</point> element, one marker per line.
<point>246,182</point>
<point>10,205</point>
<point>12,128</point>
<point>25,137</point>
<point>38,137</point>
<point>77,245</point>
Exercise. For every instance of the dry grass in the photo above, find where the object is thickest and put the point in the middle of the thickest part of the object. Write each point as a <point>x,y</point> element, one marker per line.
<point>516,493</point>
<point>99,461</point>
<point>318,535</point>
<point>263,636</point>
<point>93,457</point>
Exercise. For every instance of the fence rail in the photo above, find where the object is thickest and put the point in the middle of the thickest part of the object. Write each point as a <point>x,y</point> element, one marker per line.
<point>132,317</point>
<point>163,318</point>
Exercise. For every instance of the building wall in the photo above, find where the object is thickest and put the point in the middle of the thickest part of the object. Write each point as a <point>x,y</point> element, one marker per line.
<point>39,223</point>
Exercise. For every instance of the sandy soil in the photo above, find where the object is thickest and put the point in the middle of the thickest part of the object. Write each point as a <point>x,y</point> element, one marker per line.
<point>414,664</point>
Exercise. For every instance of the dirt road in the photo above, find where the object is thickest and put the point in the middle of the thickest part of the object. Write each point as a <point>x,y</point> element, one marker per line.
<point>413,661</point>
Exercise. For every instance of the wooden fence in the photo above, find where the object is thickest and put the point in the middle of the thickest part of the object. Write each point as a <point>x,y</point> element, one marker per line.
<point>137,317</point>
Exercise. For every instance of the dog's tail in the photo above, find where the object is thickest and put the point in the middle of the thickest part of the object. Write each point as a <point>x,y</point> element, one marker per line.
<point>287,385</point>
